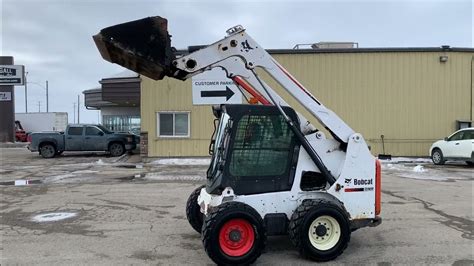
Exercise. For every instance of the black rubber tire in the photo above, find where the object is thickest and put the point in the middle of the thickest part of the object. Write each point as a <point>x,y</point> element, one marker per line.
<point>217,218</point>
<point>470,163</point>
<point>301,220</point>
<point>193,210</point>
<point>434,154</point>
<point>116,149</point>
<point>47,151</point>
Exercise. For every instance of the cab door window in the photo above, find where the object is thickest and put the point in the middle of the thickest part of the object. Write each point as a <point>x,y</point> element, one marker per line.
<point>262,147</point>
<point>457,136</point>
<point>93,131</point>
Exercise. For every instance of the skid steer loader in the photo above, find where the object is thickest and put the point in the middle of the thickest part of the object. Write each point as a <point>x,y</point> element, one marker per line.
<point>271,172</point>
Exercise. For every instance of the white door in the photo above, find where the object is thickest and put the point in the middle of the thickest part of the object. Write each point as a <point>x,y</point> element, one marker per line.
<point>466,144</point>
<point>455,145</point>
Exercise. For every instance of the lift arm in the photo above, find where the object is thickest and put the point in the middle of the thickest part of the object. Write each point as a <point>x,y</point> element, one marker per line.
<point>239,45</point>
<point>144,46</point>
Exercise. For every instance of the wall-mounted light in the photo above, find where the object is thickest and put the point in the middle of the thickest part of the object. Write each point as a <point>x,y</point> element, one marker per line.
<point>443,58</point>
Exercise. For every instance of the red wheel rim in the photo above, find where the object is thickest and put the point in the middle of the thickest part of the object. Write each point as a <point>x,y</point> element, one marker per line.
<point>236,237</point>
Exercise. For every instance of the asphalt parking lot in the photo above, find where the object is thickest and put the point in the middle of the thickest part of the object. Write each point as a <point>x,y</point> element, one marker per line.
<point>122,211</point>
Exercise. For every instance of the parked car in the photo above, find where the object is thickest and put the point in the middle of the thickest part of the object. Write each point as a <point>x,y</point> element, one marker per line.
<point>459,146</point>
<point>81,138</point>
<point>20,134</point>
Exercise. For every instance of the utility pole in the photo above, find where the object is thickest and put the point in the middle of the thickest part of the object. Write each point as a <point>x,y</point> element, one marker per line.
<point>78,108</point>
<point>39,106</point>
<point>26,93</point>
<point>47,98</point>
<point>74,112</point>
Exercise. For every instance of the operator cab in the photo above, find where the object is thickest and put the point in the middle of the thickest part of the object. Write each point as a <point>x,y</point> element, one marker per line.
<point>253,150</point>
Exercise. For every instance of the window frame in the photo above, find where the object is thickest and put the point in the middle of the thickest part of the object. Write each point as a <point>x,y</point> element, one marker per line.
<point>158,134</point>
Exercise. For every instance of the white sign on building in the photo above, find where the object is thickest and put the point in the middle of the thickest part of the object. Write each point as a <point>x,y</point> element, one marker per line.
<point>12,74</point>
<point>213,87</point>
<point>5,96</point>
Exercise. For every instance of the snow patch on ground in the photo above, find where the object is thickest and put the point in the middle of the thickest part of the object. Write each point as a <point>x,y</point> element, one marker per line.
<point>84,172</point>
<point>193,161</point>
<point>161,177</point>
<point>53,216</point>
<point>100,162</point>
<point>419,169</point>
<point>58,177</point>
<point>406,160</point>
<point>416,172</point>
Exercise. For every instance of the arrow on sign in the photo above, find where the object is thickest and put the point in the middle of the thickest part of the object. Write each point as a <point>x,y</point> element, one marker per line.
<point>228,93</point>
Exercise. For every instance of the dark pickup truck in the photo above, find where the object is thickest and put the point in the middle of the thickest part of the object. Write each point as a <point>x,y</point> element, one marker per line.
<point>81,138</point>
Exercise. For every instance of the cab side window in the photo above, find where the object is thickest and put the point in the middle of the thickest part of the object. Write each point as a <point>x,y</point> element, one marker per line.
<point>75,131</point>
<point>93,131</point>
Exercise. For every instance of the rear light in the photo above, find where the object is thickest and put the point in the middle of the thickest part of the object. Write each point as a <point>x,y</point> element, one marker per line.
<point>378,187</point>
<point>28,138</point>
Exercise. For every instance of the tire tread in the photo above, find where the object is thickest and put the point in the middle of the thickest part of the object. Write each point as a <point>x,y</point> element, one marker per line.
<point>194,221</point>
<point>211,219</point>
<point>296,221</point>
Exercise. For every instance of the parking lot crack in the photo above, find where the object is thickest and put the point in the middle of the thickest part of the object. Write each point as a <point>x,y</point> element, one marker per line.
<point>463,225</point>
<point>394,195</point>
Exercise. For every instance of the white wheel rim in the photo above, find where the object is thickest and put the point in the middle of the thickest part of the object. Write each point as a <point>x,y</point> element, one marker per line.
<point>331,236</point>
<point>436,157</point>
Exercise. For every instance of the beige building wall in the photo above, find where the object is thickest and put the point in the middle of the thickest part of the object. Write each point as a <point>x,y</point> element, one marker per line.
<point>411,98</point>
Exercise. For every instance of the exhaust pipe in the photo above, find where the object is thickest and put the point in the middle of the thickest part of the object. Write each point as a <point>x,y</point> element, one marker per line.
<point>143,46</point>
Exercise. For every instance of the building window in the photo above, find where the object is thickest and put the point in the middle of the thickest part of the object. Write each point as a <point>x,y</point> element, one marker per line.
<point>122,123</point>
<point>173,124</point>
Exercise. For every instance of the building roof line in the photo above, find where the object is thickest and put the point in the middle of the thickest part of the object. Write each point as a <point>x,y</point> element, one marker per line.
<point>363,50</point>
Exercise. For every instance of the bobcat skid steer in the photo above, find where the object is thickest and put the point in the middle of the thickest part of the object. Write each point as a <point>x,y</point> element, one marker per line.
<point>271,172</point>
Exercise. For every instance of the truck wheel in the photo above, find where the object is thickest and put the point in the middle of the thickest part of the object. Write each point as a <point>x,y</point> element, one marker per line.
<point>116,149</point>
<point>193,210</point>
<point>470,163</point>
<point>48,151</point>
<point>437,157</point>
<point>233,234</point>
<point>320,230</point>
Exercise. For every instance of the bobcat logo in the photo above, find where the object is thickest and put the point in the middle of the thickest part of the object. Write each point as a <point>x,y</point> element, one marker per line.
<point>246,46</point>
<point>348,180</point>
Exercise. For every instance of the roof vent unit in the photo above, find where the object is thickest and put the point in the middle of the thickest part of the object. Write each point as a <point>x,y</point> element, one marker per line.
<point>334,45</point>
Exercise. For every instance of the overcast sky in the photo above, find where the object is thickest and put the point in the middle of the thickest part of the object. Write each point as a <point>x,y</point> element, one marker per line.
<point>52,38</point>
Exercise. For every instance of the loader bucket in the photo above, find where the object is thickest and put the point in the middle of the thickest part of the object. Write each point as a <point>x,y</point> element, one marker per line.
<point>143,46</point>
